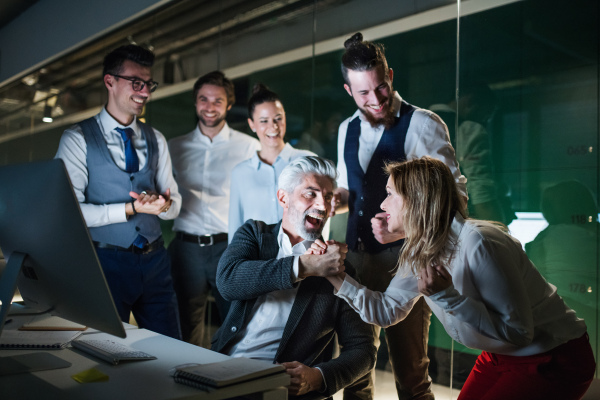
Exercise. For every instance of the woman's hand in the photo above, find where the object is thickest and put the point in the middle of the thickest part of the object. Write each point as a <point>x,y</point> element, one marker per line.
<point>318,247</point>
<point>432,280</point>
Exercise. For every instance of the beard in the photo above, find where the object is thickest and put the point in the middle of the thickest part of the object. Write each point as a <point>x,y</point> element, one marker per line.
<point>299,219</point>
<point>212,124</point>
<point>387,120</point>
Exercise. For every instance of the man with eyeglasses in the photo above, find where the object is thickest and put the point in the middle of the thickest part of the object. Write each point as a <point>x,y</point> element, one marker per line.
<point>121,172</point>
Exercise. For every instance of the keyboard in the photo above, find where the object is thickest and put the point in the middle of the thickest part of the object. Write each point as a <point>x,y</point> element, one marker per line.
<point>110,351</point>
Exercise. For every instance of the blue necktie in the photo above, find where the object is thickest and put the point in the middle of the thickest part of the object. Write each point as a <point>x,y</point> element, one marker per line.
<point>132,162</point>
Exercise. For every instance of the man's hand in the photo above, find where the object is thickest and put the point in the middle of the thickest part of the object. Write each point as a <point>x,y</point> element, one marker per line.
<point>432,280</point>
<point>319,261</point>
<point>148,202</point>
<point>380,229</point>
<point>303,379</point>
<point>339,202</point>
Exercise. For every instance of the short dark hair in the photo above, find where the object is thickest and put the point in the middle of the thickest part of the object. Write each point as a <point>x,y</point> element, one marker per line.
<point>113,62</point>
<point>362,56</point>
<point>216,78</point>
<point>260,94</point>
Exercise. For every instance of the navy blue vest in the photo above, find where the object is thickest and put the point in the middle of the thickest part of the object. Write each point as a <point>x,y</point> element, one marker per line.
<point>108,184</point>
<point>367,189</point>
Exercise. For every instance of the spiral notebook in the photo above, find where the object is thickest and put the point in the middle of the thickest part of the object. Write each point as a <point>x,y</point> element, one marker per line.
<point>15,339</point>
<point>211,376</point>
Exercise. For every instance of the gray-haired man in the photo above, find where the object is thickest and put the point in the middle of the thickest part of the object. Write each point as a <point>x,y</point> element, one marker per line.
<point>282,309</point>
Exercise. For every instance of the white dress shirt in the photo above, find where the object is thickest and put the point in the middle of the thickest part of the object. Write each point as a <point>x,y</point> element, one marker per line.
<point>73,151</point>
<point>202,169</point>
<point>427,135</point>
<point>254,189</point>
<point>261,337</point>
<point>498,301</point>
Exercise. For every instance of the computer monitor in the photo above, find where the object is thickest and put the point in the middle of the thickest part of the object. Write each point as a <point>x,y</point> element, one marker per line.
<point>49,252</point>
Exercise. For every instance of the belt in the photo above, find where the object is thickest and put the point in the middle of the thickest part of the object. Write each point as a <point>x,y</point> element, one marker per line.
<point>148,247</point>
<point>202,240</point>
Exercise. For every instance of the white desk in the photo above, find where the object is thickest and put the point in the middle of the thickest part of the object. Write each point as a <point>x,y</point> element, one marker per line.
<point>130,380</point>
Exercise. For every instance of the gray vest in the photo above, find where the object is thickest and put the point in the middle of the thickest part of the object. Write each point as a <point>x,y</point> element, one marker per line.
<point>108,184</point>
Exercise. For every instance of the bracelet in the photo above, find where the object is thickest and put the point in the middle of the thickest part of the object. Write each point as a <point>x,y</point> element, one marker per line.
<point>133,208</point>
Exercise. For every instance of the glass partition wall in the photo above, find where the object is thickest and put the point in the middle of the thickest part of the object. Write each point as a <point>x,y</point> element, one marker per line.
<point>515,81</point>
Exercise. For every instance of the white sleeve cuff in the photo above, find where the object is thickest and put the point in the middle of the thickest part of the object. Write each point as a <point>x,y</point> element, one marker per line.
<point>116,213</point>
<point>296,269</point>
<point>324,383</point>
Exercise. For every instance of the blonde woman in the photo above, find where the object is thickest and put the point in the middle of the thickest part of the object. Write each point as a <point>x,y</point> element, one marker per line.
<point>482,287</point>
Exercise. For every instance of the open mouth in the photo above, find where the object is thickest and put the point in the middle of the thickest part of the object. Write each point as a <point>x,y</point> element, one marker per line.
<point>314,220</point>
<point>139,100</point>
<point>378,109</point>
<point>210,115</point>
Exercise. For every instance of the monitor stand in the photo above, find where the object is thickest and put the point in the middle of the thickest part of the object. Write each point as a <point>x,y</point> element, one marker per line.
<point>27,362</point>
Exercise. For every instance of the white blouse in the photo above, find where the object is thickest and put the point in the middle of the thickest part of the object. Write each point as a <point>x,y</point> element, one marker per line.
<point>498,301</point>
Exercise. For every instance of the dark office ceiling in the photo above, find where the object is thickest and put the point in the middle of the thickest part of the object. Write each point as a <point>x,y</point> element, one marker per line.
<point>11,9</point>
<point>180,28</point>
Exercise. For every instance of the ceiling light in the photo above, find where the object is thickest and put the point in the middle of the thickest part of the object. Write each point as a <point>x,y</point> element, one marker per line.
<point>47,114</point>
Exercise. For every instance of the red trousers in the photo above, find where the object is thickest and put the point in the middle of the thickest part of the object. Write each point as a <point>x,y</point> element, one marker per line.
<point>564,373</point>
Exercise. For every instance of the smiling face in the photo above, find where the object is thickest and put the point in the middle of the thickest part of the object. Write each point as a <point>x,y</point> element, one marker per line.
<point>393,205</point>
<point>123,102</point>
<point>268,121</point>
<point>211,107</point>
<point>372,91</point>
<point>305,210</point>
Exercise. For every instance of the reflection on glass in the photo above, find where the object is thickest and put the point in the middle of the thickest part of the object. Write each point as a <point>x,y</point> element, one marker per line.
<point>565,252</point>
<point>466,119</point>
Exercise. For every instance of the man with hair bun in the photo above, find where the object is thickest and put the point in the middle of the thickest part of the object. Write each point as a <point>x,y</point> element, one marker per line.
<point>202,163</point>
<point>384,128</point>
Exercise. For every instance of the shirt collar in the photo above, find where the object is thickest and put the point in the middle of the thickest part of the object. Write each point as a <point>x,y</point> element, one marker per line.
<point>286,245</point>
<point>456,227</point>
<point>109,124</point>
<point>285,154</point>
<point>223,135</point>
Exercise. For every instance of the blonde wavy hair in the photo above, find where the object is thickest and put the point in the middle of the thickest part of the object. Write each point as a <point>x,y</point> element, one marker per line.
<point>431,200</point>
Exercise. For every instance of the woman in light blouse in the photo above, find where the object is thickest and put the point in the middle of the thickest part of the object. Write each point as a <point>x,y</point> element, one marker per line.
<point>254,181</point>
<point>482,287</point>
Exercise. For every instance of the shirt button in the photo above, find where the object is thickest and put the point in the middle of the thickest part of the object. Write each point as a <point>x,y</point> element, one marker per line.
<point>137,228</point>
<point>233,329</point>
<point>246,341</point>
<point>362,198</point>
<point>360,213</point>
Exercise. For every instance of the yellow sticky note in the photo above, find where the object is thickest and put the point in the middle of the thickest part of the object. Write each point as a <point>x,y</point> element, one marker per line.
<point>90,375</point>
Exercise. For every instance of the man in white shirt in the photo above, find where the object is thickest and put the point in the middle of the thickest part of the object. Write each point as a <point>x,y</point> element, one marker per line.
<point>384,128</point>
<point>120,169</point>
<point>282,309</point>
<point>202,163</point>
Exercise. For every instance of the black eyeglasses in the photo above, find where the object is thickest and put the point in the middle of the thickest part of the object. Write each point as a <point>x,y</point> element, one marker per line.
<point>138,84</point>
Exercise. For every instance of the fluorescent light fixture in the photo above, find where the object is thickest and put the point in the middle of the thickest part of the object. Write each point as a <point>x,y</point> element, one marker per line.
<point>47,114</point>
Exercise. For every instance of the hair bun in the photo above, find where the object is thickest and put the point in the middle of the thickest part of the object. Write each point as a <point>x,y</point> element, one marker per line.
<point>259,87</point>
<point>356,38</point>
